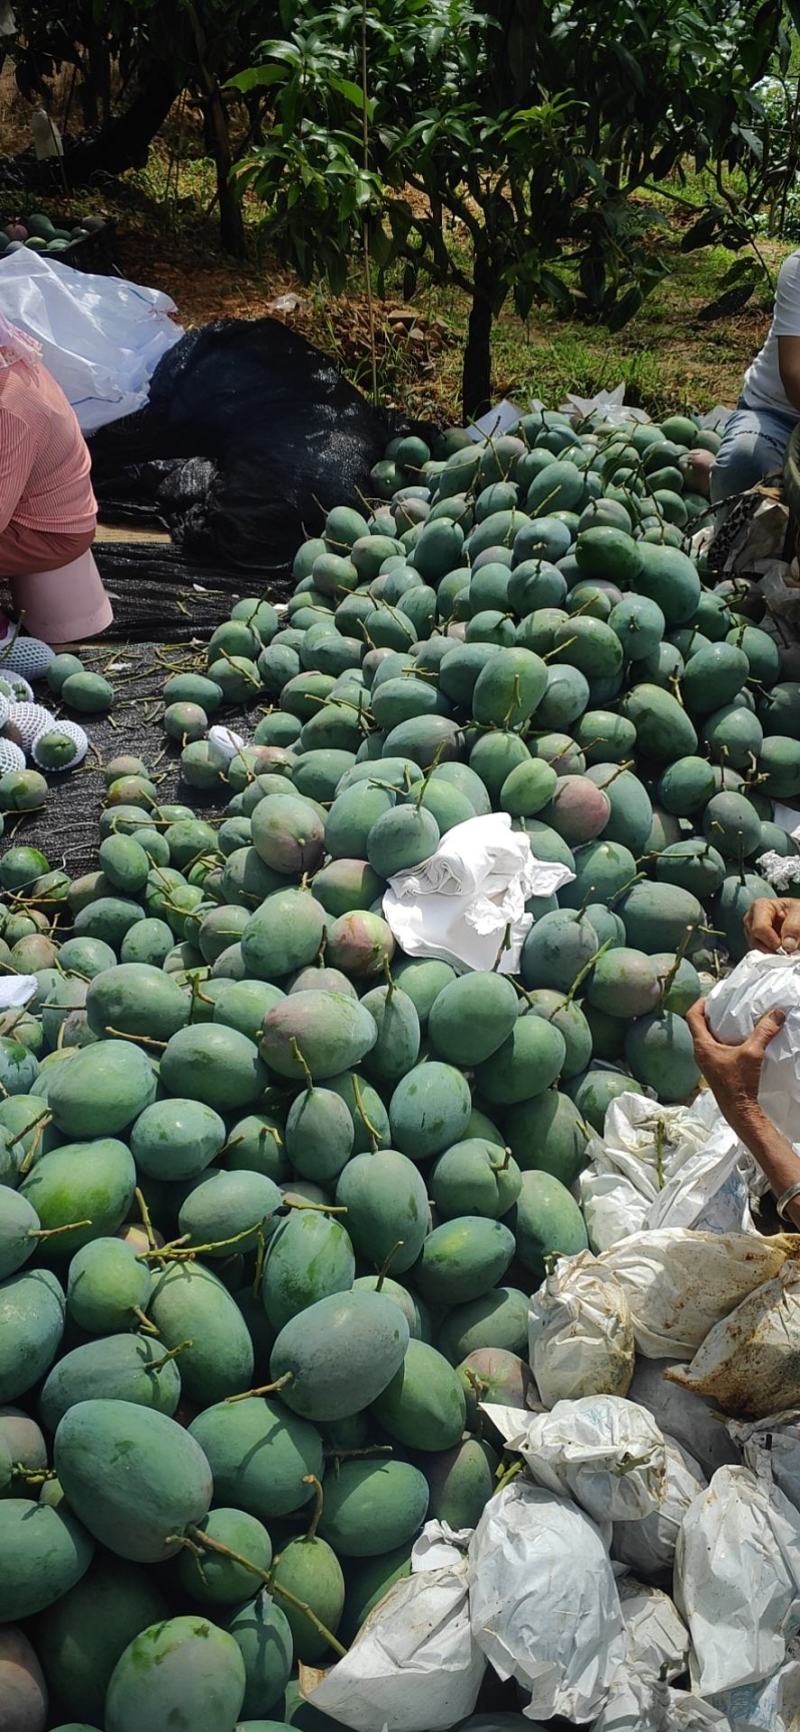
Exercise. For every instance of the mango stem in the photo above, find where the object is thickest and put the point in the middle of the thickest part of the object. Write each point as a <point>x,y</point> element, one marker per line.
<point>311,1479</point>
<point>263,1389</point>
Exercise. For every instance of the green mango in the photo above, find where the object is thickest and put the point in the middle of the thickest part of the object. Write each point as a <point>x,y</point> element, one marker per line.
<point>102,1089</point>
<point>345,884</point>
<point>462,1260</point>
<point>309,1257</point>
<point>261,1455</point>
<point>215,1580</point>
<point>320,1384</point>
<point>106,1287</point>
<point>499,1318</point>
<point>372,1507</point>
<point>423,1406</point>
<point>422,979</point>
<point>396,1049</point>
<point>547,1221</point>
<point>135,1368</point>
<point>387,1208</point>
<point>262,1634</point>
<point>92,1182</point>
<point>623,983</point>
<point>45,1552</point>
<point>221,1206</point>
<point>82,1636</point>
<point>141,1513</point>
<point>471,1017</point>
<point>217,1066</point>
<point>474,1177</point>
<point>429,1110</point>
<point>660,1052</point>
<point>283,934</point>
<point>656,915</point>
<point>461,1481</point>
<point>185,1669</point>
<point>529,1060</point>
<point>31,1326</point>
<point>323,1033</point>
<point>319,1135</point>
<point>177,1139</point>
<point>189,1304</point>
<point>310,1571</point>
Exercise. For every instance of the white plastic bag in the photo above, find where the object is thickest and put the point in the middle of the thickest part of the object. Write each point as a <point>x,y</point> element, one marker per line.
<point>662,1166</point>
<point>749,1363</point>
<point>414,1666</point>
<point>610,405</point>
<point>737,1580</point>
<point>648,1547</point>
<point>642,1704</point>
<point>773,1706</point>
<point>580,1332</point>
<point>679,1283</point>
<point>101,337</point>
<point>771,1449</point>
<point>466,904</point>
<point>658,1640</point>
<point>544,1604</point>
<point>691,1420</point>
<point>760,983</point>
<point>606,1453</point>
<point>439,1545</point>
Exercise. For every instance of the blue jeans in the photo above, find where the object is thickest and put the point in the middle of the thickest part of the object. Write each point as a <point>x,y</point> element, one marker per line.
<point>753,446</point>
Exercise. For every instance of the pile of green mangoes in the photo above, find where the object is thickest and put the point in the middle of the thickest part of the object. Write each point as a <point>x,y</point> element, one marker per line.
<point>40,234</point>
<point>273,1195</point>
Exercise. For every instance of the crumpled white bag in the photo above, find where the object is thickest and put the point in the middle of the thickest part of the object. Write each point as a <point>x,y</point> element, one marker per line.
<point>658,1640</point>
<point>757,984</point>
<point>665,1166</point>
<point>544,1603</point>
<point>580,1332</point>
<point>679,1283</point>
<point>606,1453</point>
<point>689,1419</point>
<point>750,1362</point>
<point>611,404</point>
<point>771,1449</point>
<point>438,1546</point>
<point>16,990</point>
<point>641,1704</point>
<point>648,1547</point>
<point>224,745</point>
<point>466,904</point>
<point>101,337</point>
<point>773,1706</point>
<point>414,1665</point>
<point>737,1580</point>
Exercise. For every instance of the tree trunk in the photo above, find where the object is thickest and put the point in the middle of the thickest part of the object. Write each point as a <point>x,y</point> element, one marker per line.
<point>476,378</point>
<point>231,224</point>
<point>125,141</point>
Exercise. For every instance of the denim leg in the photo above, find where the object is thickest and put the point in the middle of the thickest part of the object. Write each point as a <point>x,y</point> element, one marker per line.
<point>753,446</point>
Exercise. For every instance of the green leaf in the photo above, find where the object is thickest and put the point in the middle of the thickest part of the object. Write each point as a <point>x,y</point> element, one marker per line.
<point>256,76</point>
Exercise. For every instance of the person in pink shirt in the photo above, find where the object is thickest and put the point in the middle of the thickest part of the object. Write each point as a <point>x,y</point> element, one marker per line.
<point>48,512</point>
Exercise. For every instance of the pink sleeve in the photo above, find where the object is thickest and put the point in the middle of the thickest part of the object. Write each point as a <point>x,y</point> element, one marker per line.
<point>17,453</point>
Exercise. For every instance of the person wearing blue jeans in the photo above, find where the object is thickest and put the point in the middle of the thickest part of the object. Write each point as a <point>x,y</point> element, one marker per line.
<point>757,434</point>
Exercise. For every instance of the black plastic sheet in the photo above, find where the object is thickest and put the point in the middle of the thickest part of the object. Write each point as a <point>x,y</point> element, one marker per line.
<point>281,434</point>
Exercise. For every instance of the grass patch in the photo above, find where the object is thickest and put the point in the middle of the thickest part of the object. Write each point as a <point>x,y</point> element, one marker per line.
<point>669,357</point>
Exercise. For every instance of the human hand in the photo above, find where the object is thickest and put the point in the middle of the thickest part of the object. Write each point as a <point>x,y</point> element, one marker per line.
<point>772,925</point>
<point>733,1073</point>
